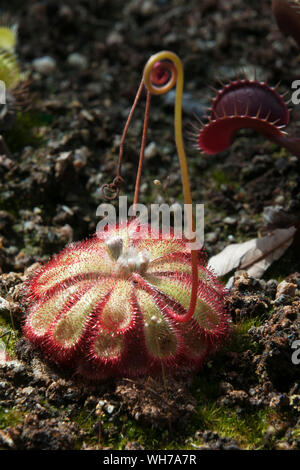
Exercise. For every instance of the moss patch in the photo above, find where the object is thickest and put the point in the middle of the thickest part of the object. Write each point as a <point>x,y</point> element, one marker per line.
<point>25,130</point>
<point>248,430</point>
<point>10,417</point>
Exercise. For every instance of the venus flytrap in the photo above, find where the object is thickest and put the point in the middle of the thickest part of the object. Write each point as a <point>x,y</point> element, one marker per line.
<point>9,68</point>
<point>14,85</point>
<point>118,304</point>
<point>245,104</point>
<point>252,104</point>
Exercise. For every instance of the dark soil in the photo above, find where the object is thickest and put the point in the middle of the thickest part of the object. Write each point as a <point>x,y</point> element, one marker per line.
<point>66,146</point>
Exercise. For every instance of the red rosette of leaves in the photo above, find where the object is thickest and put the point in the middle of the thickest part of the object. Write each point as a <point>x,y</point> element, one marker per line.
<point>109,306</point>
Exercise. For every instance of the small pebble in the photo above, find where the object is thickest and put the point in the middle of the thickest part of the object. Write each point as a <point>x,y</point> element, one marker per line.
<point>80,157</point>
<point>28,225</point>
<point>12,250</point>
<point>281,300</point>
<point>77,61</point>
<point>44,65</point>
<point>286,288</point>
<point>6,440</point>
<point>4,305</point>
<point>148,8</point>
<point>151,150</point>
<point>272,284</point>
<point>66,13</point>
<point>280,199</point>
<point>211,237</point>
<point>114,39</point>
<point>62,162</point>
<point>110,409</point>
<point>230,220</point>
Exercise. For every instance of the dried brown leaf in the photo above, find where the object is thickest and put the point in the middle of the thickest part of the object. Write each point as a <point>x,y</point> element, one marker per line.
<point>254,256</point>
